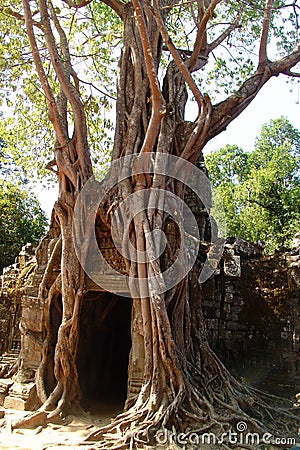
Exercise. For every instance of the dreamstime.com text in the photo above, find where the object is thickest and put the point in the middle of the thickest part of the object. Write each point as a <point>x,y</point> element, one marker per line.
<point>239,436</point>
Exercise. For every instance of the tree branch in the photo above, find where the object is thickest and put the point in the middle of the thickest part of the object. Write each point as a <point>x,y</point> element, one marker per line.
<point>226,32</point>
<point>265,32</point>
<point>262,205</point>
<point>52,107</point>
<point>225,112</point>
<point>60,68</point>
<point>64,70</point>
<point>10,12</point>
<point>201,34</point>
<point>158,110</point>
<point>88,83</point>
<point>177,58</point>
<point>117,6</point>
<point>197,137</point>
<point>287,63</point>
<point>290,73</point>
<point>77,5</point>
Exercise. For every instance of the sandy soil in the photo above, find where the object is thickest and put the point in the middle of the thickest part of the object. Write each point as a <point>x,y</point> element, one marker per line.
<point>70,434</point>
<point>67,435</point>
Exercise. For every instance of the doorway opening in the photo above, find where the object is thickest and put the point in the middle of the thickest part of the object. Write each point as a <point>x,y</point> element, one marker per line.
<point>103,352</point>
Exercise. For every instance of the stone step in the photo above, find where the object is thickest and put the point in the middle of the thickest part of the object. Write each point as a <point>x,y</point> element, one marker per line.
<point>10,355</point>
<point>9,358</point>
<point>13,354</point>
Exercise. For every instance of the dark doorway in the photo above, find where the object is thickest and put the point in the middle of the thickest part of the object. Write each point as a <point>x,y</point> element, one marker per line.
<point>104,347</point>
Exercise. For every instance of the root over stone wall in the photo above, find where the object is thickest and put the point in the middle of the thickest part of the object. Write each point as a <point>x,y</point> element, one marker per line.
<point>251,306</point>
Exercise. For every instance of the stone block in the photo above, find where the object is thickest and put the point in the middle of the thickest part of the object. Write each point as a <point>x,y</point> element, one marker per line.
<point>32,314</point>
<point>14,403</point>
<point>229,288</point>
<point>22,397</point>
<point>4,386</point>
<point>228,298</point>
<point>30,353</point>
<point>31,291</point>
<point>232,267</point>
<point>227,307</point>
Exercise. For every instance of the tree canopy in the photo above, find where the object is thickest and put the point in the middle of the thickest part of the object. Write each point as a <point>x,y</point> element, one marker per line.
<point>227,54</point>
<point>260,190</point>
<point>21,221</point>
<point>94,36</point>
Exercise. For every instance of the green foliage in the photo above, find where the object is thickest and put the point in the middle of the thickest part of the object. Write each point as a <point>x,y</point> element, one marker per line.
<point>94,34</point>
<point>236,58</point>
<point>3,161</point>
<point>260,190</point>
<point>21,220</point>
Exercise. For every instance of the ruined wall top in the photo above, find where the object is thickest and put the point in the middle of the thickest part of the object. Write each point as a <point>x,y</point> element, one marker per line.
<point>12,273</point>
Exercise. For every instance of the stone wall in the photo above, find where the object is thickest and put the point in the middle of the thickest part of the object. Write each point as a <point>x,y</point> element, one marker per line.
<point>11,280</point>
<point>252,310</point>
<point>251,305</point>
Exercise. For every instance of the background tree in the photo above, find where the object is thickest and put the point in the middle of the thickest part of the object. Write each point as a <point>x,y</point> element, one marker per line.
<point>260,190</point>
<point>216,52</point>
<point>21,221</point>
<point>5,161</point>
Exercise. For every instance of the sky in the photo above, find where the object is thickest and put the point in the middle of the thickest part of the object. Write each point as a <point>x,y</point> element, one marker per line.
<point>277,98</point>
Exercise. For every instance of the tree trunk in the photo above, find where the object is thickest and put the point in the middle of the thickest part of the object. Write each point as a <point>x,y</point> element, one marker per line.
<point>184,385</point>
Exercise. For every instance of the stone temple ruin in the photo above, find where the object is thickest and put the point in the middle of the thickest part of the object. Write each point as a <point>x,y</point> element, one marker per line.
<point>251,305</point>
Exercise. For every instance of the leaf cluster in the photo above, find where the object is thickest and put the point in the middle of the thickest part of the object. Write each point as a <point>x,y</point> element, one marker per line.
<point>234,60</point>
<point>21,221</point>
<point>93,35</point>
<point>260,190</point>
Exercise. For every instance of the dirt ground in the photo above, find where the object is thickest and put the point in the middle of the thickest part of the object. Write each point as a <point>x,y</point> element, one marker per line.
<point>70,433</point>
<point>66,435</point>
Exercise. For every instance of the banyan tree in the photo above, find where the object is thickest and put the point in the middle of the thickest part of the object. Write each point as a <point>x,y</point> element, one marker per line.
<point>130,252</point>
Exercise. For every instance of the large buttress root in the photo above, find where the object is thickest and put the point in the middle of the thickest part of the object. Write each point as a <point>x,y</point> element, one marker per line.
<point>195,396</point>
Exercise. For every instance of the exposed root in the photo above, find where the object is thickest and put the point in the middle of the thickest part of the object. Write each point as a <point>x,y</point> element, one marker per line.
<point>222,412</point>
<point>130,431</point>
<point>34,420</point>
<point>41,418</point>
